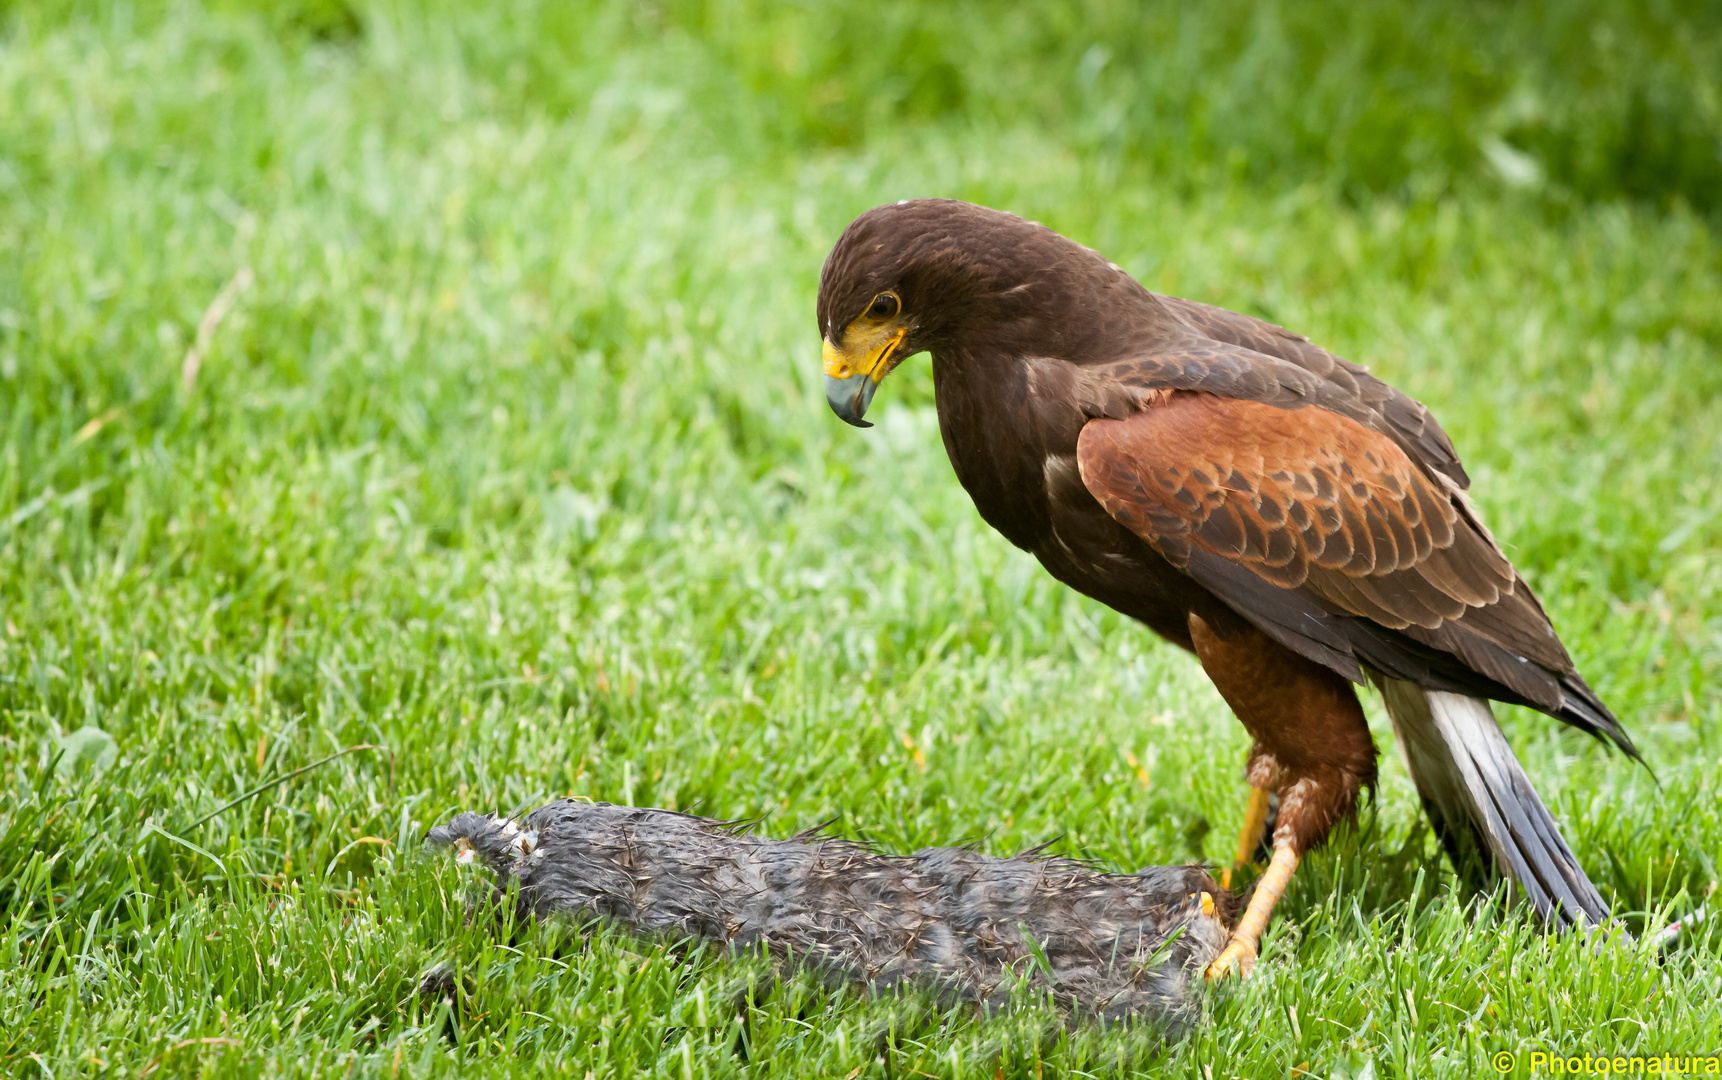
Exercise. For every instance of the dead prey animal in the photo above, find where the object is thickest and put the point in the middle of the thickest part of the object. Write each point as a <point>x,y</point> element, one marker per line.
<point>1114,946</point>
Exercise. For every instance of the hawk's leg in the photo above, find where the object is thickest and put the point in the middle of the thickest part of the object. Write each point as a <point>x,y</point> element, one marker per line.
<point>1263,776</point>
<point>1255,816</point>
<point>1240,953</point>
<point>1312,747</point>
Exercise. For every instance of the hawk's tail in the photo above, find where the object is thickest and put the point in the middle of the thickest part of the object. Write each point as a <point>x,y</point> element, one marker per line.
<point>1482,804</point>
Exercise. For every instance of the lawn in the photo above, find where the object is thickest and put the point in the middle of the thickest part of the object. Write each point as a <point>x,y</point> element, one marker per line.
<point>442,380</point>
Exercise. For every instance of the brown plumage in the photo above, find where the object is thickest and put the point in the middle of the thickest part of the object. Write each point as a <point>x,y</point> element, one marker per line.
<point>1293,520</point>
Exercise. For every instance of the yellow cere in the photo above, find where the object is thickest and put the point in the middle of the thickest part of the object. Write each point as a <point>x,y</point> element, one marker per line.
<point>868,353</point>
<point>836,364</point>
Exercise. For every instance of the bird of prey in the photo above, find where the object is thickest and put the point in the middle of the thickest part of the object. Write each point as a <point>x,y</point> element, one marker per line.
<point>1292,520</point>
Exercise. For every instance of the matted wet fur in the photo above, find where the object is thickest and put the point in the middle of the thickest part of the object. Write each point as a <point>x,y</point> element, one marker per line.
<point>1116,946</point>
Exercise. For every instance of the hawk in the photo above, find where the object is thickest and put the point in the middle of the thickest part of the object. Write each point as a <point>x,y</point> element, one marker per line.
<point>1296,523</point>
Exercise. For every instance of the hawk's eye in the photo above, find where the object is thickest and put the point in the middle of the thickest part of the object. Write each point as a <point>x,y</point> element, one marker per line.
<point>884,306</point>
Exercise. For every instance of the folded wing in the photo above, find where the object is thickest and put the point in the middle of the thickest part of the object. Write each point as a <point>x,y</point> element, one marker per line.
<point>1328,536</point>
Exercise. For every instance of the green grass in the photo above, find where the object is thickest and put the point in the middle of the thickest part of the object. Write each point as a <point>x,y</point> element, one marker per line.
<point>513,458</point>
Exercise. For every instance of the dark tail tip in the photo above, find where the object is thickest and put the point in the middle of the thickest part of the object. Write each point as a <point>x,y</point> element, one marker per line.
<point>1581,708</point>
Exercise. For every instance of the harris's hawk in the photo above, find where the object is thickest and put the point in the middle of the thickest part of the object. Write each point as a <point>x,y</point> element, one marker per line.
<point>1288,517</point>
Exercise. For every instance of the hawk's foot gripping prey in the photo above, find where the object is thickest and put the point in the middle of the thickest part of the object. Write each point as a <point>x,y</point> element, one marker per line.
<point>1289,518</point>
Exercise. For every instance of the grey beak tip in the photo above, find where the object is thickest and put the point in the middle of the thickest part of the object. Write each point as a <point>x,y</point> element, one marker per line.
<point>850,397</point>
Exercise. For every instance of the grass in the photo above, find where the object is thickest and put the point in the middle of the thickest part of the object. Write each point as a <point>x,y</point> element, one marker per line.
<point>511,458</point>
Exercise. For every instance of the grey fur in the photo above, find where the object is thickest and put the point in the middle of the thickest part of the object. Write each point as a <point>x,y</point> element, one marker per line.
<point>1116,945</point>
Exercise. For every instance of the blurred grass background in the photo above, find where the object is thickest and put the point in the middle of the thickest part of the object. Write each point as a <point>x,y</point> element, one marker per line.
<point>509,453</point>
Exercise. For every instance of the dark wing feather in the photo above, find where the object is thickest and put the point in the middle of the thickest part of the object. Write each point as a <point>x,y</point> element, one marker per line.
<point>1353,553</point>
<point>1406,418</point>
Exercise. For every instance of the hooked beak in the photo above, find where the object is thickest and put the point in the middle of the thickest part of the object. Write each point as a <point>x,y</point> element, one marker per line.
<point>850,397</point>
<point>852,374</point>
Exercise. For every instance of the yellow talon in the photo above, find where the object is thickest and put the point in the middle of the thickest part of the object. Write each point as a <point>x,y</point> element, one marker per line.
<point>1240,953</point>
<point>1237,957</point>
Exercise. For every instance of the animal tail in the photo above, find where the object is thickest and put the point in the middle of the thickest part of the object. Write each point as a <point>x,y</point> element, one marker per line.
<point>1482,804</point>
